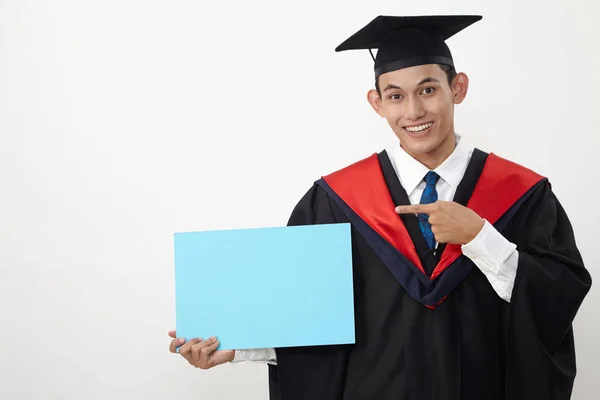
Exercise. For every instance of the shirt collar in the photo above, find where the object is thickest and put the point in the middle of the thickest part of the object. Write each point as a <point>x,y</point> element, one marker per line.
<point>411,172</point>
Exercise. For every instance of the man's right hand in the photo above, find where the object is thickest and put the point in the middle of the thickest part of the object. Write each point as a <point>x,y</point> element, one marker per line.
<point>200,353</point>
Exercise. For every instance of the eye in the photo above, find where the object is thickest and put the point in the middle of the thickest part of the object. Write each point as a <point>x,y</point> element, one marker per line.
<point>395,96</point>
<point>428,90</point>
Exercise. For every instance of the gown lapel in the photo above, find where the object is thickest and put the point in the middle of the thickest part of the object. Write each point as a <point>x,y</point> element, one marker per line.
<point>410,221</point>
<point>467,186</point>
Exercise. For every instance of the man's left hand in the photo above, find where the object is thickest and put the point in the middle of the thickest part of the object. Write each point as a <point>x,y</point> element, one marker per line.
<point>450,222</point>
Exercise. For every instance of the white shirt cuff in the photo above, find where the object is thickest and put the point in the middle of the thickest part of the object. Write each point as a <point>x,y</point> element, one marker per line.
<point>256,356</point>
<point>496,257</point>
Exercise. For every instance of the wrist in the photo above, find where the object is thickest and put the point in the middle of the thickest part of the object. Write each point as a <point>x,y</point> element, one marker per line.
<point>475,231</point>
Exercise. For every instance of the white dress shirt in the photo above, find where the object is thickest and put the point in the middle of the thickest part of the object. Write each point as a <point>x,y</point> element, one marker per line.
<point>491,252</point>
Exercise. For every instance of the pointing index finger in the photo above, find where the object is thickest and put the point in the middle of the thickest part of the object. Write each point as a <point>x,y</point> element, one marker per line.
<point>415,209</point>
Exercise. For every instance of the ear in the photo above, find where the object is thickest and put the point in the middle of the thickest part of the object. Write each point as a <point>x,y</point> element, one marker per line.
<point>375,101</point>
<point>460,86</point>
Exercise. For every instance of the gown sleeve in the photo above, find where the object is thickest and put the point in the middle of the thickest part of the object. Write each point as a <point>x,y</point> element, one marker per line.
<point>315,372</point>
<point>550,286</point>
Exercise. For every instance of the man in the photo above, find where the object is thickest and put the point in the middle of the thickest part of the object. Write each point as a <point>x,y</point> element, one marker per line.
<point>466,272</point>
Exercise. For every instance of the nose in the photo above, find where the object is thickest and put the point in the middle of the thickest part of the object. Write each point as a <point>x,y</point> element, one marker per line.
<point>414,109</point>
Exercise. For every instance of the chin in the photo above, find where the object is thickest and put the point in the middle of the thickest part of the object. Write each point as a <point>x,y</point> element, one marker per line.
<point>420,146</point>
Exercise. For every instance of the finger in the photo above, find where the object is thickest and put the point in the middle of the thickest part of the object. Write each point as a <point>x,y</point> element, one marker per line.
<point>207,347</point>
<point>442,239</point>
<point>197,347</point>
<point>213,344</point>
<point>175,343</point>
<point>173,334</point>
<point>201,353</point>
<point>208,354</point>
<point>435,219</point>
<point>415,209</point>
<point>186,349</point>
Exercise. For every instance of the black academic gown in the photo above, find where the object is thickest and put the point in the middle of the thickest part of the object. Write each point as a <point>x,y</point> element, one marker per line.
<point>462,342</point>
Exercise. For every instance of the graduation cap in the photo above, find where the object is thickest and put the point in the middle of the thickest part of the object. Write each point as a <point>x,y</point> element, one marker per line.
<point>408,41</point>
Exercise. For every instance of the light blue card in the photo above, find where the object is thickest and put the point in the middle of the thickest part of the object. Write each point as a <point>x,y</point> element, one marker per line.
<point>266,287</point>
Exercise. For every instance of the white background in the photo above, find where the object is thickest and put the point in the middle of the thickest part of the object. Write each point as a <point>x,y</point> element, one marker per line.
<point>124,121</point>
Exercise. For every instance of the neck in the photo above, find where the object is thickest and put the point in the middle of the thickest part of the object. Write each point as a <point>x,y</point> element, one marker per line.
<point>436,157</point>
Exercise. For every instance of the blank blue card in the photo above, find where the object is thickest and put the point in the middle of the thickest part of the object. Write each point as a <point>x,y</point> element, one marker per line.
<point>266,287</point>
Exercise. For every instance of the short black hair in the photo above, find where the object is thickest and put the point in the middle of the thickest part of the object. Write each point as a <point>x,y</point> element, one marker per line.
<point>449,70</point>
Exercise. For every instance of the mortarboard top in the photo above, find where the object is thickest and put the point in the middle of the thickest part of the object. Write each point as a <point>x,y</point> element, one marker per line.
<point>408,41</point>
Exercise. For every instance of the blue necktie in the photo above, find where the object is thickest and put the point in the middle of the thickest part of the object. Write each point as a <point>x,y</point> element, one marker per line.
<point>429,196</point>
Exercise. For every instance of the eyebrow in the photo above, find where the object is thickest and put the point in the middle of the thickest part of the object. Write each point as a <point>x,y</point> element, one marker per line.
<point>429,80</point>
<point>426,80</point>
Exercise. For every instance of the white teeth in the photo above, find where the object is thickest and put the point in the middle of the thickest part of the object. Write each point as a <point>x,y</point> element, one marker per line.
<point>418,128</point>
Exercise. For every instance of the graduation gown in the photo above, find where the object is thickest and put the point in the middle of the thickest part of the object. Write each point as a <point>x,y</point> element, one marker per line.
<point>429,326</point>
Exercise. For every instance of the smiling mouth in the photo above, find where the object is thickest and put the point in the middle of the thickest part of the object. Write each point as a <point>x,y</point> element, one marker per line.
<point>418,128</point>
